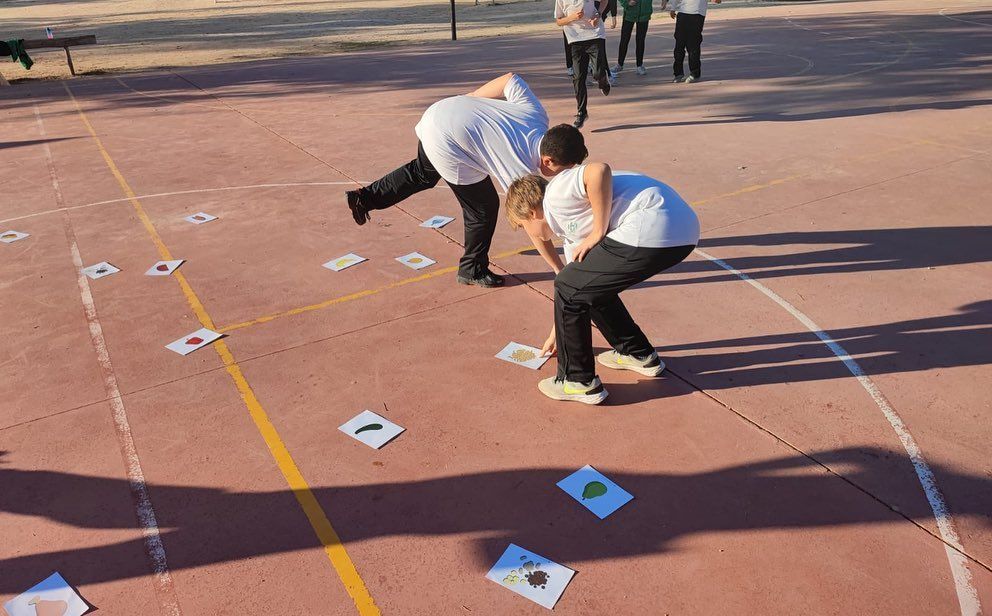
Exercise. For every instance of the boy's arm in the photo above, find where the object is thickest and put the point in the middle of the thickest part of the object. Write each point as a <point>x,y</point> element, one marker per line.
<point>493,89</point>
<point>540,236</point>
<point>598,181</point>
<point>562,19</point>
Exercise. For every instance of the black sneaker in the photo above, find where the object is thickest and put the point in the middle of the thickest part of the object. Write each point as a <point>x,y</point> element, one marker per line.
<point>604,85</point>
<point>580,119</point>
<point>487,280</point>
<point>358,211</point>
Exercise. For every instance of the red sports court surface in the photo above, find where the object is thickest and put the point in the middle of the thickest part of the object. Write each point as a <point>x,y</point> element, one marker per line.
<point>818,446</point>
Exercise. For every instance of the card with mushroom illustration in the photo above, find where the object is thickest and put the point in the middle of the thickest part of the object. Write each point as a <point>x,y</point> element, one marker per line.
<point>522,355</point>
<point>541,580</point>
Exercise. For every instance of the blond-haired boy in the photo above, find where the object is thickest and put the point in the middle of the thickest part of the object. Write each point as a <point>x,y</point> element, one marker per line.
<point>620,228</point>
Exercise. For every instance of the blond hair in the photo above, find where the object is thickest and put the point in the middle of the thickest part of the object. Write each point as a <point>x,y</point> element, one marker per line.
<point>524,197</point>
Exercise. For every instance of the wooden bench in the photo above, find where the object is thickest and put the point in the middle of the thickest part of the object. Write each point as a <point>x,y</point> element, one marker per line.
<point>61,42</point>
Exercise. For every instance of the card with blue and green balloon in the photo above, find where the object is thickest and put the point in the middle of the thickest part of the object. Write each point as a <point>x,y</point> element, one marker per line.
<point>595,492</point>
<point>371,428</point>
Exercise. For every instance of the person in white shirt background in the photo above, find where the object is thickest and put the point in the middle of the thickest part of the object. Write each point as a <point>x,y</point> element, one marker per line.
<point>620,228</point>
<point>586,38</point>
<point>467,141</point>
<point>689,16</point>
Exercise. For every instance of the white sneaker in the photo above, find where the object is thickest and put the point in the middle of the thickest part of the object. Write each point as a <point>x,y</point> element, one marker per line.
<point>691,79</point>
<point>586,393</point>
<point>571,72</point>
<point>617,69</point>
<point>641,70</point>
<point>649,366</point>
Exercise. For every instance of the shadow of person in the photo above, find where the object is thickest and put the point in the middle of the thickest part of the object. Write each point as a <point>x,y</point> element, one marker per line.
<point>204,525</point>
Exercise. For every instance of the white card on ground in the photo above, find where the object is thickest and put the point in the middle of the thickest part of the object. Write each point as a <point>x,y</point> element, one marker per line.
<point>436,222</point>
<point>532,576</point>
<point>416,260</point>
<point>100,270</point>
<point>595,492</point>
<point>371,428</point>
<point>344,262</point>
<point>187,344</point>
<point>51,596</point>
<point>522,355</point>
<point>12,236</point>
<point>199,218</point>
<point>164,268</point>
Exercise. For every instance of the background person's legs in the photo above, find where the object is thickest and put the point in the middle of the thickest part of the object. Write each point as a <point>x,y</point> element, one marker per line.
<point>597,55</point>
<point>680,42</point>
<point>480,208</point>
<point>608,269</point>
<point>568,52</point>
<point>580,62</point>
<point>417,175</point>
<point>642,33</point>
<point>625,29</point>
<point>694,42</point>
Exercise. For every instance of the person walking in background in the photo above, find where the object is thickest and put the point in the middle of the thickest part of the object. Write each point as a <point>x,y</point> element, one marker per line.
<point>689,16</point>
<point>635,13</point>
<point>611,10</point>
<point>586,37</point>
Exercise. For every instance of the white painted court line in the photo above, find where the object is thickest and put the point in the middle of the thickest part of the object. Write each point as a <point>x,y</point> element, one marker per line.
<point>194,191</point>
<point>967,595</point>
<point>164,587</point>
<point>942,13</point>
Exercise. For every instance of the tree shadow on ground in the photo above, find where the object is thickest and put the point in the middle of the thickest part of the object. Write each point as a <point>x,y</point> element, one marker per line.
<point>802,69</point>
<point>203,526</point>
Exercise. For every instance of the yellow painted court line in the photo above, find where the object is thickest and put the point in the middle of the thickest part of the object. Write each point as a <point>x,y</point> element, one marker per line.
<point>358,294</point>
<point>328,537</point>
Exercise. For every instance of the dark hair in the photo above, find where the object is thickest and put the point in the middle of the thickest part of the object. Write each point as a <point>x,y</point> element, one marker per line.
<point>564,144</point>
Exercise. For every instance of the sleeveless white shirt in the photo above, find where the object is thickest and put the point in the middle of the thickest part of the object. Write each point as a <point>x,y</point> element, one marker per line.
<point>646,213</point>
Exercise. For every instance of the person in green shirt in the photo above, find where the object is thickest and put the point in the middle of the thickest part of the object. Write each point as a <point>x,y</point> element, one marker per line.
<point>635,12</point>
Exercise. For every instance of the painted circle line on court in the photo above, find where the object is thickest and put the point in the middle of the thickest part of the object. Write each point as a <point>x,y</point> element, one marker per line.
<point>194,191</point>
<point>966,593</point>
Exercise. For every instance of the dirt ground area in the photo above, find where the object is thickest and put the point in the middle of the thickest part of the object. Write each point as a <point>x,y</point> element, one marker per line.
<point>143,34</point>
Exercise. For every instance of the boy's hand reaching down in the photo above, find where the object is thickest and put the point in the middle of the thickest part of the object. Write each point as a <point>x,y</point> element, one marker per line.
<point>550,345</point>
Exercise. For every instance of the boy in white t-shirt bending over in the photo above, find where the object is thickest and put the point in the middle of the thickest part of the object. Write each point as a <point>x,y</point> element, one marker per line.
<point>494,132</point>
<point>620,228</point>
<point>586,38</point>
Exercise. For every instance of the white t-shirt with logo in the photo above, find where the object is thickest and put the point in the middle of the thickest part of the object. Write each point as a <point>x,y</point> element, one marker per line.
<point>582,29</point>
<point>646,213</point>
<point>468,138</point>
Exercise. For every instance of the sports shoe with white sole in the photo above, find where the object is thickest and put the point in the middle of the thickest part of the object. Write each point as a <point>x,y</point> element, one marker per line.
<point>692,79</point>
<point>586,393</point>
<point>641,70</point>
<point>649,366</point>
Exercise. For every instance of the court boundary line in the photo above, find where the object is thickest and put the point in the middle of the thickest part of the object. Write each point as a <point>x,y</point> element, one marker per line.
<point>321,525</point>
<point>165,588</point>
<point>968,600</point>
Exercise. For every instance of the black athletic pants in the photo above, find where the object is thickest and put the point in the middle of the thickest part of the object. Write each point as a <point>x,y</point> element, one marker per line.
<point>479,201</point>
<point>582,53</point>
<point>642,33</point>
<point>688,37</point>
<point>590,291</point>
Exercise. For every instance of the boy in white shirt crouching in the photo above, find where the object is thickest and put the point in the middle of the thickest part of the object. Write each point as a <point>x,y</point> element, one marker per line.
<point>620,229</point>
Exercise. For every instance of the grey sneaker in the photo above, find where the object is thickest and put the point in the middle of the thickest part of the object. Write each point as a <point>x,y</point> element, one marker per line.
<point>692,79</point>
<point>641,70</point>
<point>678,79</point>
<point>617,69</point>
<point>586,393</point>
<point>649,366</point>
